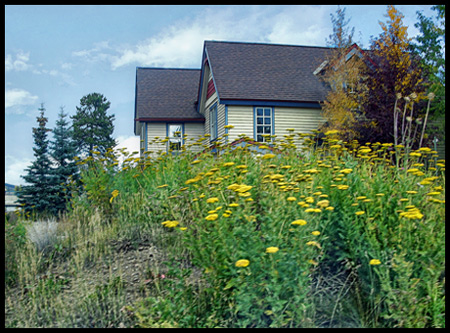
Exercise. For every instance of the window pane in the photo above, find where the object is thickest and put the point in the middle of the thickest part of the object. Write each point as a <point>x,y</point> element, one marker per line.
<point>259,112</point>
<point>267,129</point>
<point>175,130</point>
<point>267,112</point>
<point>267,121</point>
<point>259,129</point>
<point>259,138</point>
<point>259,121</point>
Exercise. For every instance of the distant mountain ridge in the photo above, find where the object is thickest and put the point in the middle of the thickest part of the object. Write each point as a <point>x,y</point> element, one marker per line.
<point>9,187</point>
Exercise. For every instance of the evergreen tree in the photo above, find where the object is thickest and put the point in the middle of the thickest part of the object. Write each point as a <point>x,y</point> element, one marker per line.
<point>92,127</point>
<point>63,151</point>
<point>37,196</point>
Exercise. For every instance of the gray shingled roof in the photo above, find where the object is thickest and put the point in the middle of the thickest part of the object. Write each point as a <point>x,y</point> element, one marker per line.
<point>269,72</point>
<point>167,94</point>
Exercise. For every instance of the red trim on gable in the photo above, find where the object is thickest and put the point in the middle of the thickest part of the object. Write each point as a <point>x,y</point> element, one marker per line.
<point>211,89</point>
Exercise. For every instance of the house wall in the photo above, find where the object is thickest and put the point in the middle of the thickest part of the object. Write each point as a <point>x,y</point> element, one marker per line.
<point>221,121</point>
<point>241,117</point>
<point>159,130</point>
<point>194,131</point>
<point>302,120</point>
<point>155,133</point>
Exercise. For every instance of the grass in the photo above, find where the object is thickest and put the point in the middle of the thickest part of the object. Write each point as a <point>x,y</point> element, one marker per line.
<point>337,235</point>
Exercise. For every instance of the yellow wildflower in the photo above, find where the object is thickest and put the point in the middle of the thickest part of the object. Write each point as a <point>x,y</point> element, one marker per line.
<point>291,199</point>
<point>309,199</point>
<point>162,186</point>
<point>323,203</point>
<point>412,214</point>
<point>314,243</point>
<point>299,222</point>
<point>170,224</point>
<point>272,249</point>
<point>234,204</point>
<point>114,194</point>
<point>228,164</point>
<point>361,212</point>
<point>212,217</point>
<point>242,263</point>
<point>268,156</point>
<point>374,262</point>
<point>212,200</point>
<point>315,233</point>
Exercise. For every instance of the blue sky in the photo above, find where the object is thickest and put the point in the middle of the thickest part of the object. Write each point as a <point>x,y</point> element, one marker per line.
<point>57,54</point>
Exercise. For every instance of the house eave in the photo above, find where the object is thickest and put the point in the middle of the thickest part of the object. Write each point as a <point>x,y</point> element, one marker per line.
<point>169,119</point>
<point>299,104</point>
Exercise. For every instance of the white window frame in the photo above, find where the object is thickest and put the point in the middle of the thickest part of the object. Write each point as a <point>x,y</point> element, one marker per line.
<point>175,135</point>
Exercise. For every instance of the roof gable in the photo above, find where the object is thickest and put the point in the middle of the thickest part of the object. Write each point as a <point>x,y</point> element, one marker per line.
<point>164,94</point>
<point>269,72</point>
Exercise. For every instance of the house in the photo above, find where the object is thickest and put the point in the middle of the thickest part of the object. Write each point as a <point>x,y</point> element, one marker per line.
<point>259,89</point>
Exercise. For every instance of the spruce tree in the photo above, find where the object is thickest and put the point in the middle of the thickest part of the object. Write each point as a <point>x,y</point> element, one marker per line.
<point>63,151</point>
<point>37,195</point>
<point>92,126</point>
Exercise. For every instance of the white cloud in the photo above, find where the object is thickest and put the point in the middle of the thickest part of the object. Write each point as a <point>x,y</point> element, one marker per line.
<point>15,167</point>
<point>20,63</point>
<point>131,143</point>
<point>301,25</point>
<point>181,44</point>
<point>96,53</point>
<point>18,97</point>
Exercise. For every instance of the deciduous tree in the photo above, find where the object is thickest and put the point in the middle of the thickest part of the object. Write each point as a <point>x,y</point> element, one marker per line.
<point>342,74</point>
<point>397,73</point>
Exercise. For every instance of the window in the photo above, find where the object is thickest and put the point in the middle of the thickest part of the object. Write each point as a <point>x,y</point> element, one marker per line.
<point>263,124</point>
<point>174,132</point>
<point>213,122</point>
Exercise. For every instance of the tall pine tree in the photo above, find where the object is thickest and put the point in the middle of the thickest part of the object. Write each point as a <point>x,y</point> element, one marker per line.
<point>92,126</point>
<point>63,151</point>
<point>37,196</point>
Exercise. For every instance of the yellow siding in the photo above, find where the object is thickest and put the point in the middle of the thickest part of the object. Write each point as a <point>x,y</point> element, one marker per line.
<point>241,117</point>
<point>155,133</point>
<point>302,120</point>
<point>194,131</point>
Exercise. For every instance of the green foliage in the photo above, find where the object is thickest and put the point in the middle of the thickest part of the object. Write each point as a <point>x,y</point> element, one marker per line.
<point>15,238</point>
<point>249,237</point>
